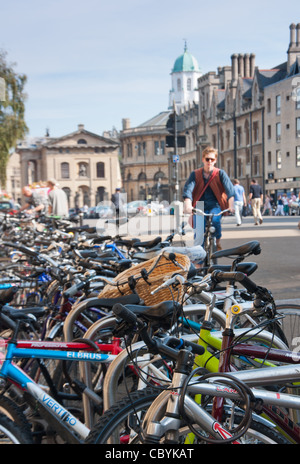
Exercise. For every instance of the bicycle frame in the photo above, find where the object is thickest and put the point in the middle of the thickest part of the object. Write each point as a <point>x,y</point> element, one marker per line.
<point>74,429</point>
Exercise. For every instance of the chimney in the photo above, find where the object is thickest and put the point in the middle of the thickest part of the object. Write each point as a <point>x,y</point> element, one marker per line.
<point>247,65</point>
<point>294,46</point>
<point>292,35</point>
<point>234,69</point>
<point>252,64</point>
<point>298,35</point>
<point>80,127</point>
<point>241,65</point>
<point>126,123</point>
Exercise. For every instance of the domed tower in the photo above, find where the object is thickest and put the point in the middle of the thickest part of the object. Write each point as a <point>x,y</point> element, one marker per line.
<point>185,74</point>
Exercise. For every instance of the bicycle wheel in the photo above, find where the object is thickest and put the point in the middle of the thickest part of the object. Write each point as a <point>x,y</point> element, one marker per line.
<point>290,323</point>
<point>11,433</point>
<point>121,424</point>
<point>122,421</point>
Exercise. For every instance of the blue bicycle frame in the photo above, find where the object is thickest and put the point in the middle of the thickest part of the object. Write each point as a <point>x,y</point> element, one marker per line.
<point>12,372</point>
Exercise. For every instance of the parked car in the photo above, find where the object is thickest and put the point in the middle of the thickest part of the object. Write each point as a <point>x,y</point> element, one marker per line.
<point>135,207</point>
<point>103,211</point>
<point>8,206</point>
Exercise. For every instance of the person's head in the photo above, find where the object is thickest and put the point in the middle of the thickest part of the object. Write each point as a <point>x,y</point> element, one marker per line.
<point>236,182</point>
<point>27,192</point>
<point>253,181</point>
<point>51,183</point>
<point>209,157</point>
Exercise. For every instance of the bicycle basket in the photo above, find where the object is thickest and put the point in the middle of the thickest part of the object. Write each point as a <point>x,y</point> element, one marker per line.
<point>155,272</point>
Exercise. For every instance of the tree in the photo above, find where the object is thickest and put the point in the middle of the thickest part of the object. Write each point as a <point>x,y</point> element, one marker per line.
<point>12,111</point>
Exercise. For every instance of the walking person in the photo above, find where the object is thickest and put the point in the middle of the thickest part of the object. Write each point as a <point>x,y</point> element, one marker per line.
<point>58,200</point>
<point>239,201</point>
<point>267,206</point>
<point>212,186</point>
<point>256,197</point>
<point>117,200</point>
<point>286,207</point>
<point>279,209</point>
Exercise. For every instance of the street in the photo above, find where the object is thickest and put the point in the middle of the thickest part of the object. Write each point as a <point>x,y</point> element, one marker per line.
<point>278,263</point>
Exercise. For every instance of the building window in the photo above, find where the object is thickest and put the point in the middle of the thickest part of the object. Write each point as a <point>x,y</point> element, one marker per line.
<point>297,97</point>
<point>239,136</point>
<point>278,105</point>
<point>269,132</point>
<point>298,156</point>
<point>178,85</point>
<point>228,138</point>
<point>269,157</point>
<point>255,131</point>
<point>189,84</point>
<point>65,171</point>
<point>144,149</point>
<point>278,159</point>
<point>139,149</point>
<point>129,150</point>
<point>269,105</point>
<point>278,132</point>
<point>81,142</point>
<point>297,127</point>
<point>100,169</point>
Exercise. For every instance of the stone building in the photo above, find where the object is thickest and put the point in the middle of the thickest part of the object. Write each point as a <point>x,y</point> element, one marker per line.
<point>85,165</point>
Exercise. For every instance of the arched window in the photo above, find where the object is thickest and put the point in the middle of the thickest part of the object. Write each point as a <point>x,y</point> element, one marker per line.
<point>65,171</point>
<point>159,175</point>
<point>141,176</point>
<point>81,141</point>
<point>100,169</point>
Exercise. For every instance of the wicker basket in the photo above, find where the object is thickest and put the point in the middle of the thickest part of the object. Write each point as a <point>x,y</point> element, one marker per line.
<point>160,268</point>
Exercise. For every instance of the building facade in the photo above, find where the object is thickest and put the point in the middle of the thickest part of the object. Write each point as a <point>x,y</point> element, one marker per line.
<point>85,165</point>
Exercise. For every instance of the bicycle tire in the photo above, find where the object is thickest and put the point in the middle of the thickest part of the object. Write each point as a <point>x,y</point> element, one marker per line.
<point>290,323</point>
<point>12,433</point>
<point>107,429</point>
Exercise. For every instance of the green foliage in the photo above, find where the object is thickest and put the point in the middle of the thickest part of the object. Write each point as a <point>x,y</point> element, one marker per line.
<point>12,113</point>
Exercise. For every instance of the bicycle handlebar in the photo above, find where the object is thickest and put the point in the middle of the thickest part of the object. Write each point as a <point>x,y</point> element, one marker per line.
<point>248,284</point>
<point>155,345</point>
<point>202,213</point>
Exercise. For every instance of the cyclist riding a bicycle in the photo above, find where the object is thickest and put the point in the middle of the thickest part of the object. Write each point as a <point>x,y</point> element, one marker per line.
<point>212,186</point>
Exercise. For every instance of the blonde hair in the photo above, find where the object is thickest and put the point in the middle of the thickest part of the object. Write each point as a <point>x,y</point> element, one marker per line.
<point>209,150</point>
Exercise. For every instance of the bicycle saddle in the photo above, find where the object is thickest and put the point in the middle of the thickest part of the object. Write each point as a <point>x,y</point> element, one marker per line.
<point>160,313</point>
<point>108,303</point>
<point>245,268</point>
<point>147,244</point>
<point>15,314</point>
<point>247,248</point>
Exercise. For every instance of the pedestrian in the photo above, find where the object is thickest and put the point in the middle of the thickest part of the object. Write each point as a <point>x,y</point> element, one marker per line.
<point>212,186</point>
<point>256,197</point>
<point>286,207</point>
<point>58,200</point>
<point>36,202</point>
<point>267,206</point>
<point>279,209</point>
<point>117,200</point>
<point>239,201</point>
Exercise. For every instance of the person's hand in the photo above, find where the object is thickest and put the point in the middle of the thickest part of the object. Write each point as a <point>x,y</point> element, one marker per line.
<point>187,207</point>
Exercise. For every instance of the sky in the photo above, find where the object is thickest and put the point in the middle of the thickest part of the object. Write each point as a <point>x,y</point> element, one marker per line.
<point>96,62</point>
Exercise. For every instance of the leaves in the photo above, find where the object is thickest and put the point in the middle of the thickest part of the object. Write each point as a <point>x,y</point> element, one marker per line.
<point>12,113</point>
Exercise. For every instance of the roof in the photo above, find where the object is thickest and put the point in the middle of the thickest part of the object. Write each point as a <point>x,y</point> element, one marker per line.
<point>158,120</point>
<point>185,62</point>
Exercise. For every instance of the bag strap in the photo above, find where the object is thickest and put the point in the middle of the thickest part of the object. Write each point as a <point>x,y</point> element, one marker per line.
<point>215,172</point>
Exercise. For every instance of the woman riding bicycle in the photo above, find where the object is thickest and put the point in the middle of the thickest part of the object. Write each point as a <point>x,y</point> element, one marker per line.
<point>212,186</point>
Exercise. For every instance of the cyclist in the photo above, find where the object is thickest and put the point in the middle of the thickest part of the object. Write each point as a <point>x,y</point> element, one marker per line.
<point>212,186</point>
